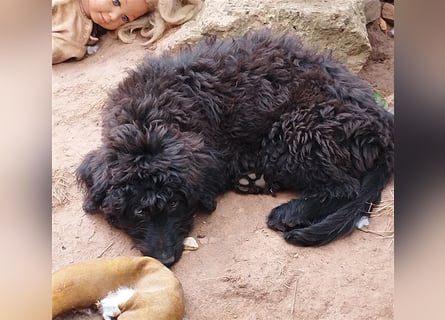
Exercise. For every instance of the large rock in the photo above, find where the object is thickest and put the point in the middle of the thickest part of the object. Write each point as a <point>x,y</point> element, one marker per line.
<point>372,8</point>
<point>338,25</point>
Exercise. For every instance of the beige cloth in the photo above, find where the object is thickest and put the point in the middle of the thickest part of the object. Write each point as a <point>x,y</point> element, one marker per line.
<point>71,31</point>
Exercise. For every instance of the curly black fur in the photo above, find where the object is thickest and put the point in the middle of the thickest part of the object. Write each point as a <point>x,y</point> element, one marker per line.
<point>181,129</point>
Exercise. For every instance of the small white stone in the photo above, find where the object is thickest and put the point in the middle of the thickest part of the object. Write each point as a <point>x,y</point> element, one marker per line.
<point>190,244</point>
<point>92,49</point>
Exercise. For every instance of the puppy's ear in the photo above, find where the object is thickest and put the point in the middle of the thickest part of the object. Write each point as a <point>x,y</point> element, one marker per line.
<point>92,175</point>
<point>203,169</point>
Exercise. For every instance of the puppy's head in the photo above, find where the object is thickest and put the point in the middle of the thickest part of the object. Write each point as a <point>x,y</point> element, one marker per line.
<point>147,181</point>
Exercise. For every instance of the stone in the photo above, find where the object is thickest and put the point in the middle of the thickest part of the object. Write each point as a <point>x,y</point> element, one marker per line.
<point>339,25</point>
<point>373,9</point>
<point>388,12</point>
<point>190,244</point>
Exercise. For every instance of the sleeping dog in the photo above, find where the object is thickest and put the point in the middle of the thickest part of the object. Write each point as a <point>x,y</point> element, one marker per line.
<point>257,114</point>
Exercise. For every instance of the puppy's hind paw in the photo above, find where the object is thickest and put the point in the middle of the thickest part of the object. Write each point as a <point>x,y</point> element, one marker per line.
<point>251,183</point>
<point>286,217</point>
<point>275,220</point>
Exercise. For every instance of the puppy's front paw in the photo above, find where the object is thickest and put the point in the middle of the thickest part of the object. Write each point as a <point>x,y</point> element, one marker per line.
<point>208,204</point>
<point>90,206</point>
<point>112,220</point>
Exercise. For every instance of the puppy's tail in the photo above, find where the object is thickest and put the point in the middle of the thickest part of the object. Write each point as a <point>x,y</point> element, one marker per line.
<point>343,221</point>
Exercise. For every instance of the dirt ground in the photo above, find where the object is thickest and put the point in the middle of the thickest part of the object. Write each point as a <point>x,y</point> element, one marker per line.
<point>242,270</point>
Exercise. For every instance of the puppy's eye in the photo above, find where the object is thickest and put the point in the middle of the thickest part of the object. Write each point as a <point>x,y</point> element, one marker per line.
<point>138,213</point>
<point>173,204</point>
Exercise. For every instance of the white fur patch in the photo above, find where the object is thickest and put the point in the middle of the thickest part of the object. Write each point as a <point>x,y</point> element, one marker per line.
<point>363,222</point>
<point>109,305</point>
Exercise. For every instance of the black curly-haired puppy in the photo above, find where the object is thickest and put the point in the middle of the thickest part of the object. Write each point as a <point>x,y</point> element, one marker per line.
<point>258,113</point>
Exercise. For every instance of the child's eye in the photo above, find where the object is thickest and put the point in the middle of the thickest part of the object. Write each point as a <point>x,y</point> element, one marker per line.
<point>116,3</point>
<point>125,19</point>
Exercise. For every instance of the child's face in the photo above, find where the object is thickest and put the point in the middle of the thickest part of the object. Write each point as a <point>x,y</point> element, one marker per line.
<point>111,14</point>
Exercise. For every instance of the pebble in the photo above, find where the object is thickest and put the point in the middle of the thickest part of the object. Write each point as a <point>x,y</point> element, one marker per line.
<point>190,244</point>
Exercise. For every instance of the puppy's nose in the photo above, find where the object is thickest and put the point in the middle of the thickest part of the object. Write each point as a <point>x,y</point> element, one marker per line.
<point>167,260</point>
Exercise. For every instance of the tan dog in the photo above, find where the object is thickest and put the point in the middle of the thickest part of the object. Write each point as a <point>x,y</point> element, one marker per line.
<point>157,292</point>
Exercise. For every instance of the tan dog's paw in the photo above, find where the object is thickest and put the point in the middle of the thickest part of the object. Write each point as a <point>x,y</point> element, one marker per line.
<point>109,305</point>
